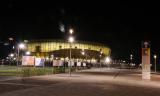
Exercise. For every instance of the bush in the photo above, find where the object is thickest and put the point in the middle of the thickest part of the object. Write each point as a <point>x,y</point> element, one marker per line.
<point>34,71</point>
<point>25,72</point>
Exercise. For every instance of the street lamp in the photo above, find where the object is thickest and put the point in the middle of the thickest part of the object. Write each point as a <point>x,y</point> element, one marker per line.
<point>155,67</point>
<point>83,53</point>
<point>108,60</point>
<point>71,31</point>
<point>71,40</point>
<point>100,58</point>
<point>10,58</point>
<point>11,55</point>
<point>28,53</point>
<point>20,46</point>
<point>131,58</point>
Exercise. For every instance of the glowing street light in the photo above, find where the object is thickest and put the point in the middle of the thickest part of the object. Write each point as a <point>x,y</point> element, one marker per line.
<point>20,46</point>
<point>108,60</point>
<point>71,39</point>
<point>100,58</point>
<point>131,57</point>
<point>25,41</point>
<point>11,55</point>
<point>11,39</point>
<point>71,31</point>
<point>131,60</point>
<point>155,67</point>
<point>28,53</point>
<point>83,52</point>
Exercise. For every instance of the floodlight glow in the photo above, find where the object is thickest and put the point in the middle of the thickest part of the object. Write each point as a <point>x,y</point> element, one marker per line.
<point>83,52</point>
<point>108,60</point>
<point>21,46</point>
<point>11,54</point>
<point>28,53</point>
<point>155,56</point>
<point>11,39</point>
<point>71,31</point>
<point>71,39</point>
<point>47,58</point>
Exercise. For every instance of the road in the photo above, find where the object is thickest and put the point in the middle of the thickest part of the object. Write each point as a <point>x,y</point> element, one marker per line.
<point>92,82</point>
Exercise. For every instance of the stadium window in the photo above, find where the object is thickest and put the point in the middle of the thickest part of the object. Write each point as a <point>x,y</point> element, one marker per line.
<point>60,47</point>
<point>38,48</point>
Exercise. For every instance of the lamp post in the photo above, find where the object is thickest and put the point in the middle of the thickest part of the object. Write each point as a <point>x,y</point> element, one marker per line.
<point>155,67</point>
<point>83,53</point>
<point>131,58</point>
<point>11,58</point>
<point>100,59</point>
<point>71,40</point>
<point>108,60</point>
<point>20,46</point>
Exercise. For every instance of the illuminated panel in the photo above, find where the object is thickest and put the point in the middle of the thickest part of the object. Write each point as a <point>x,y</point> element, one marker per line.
<point>50,46</point>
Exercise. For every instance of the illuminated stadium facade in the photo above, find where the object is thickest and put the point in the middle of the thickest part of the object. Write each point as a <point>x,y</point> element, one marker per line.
<point>61,49</point>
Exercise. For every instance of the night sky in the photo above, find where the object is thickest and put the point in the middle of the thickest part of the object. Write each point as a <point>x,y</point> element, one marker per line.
<point>120,25</point>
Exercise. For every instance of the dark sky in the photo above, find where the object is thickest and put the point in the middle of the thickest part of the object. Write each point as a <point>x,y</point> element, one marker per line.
<point>120,25</point>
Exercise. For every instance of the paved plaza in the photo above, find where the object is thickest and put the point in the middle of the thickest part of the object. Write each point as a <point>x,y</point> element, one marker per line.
<point>90,82</point>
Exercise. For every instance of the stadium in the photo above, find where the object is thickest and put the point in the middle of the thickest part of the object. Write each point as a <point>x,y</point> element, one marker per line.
<point>60,49</point>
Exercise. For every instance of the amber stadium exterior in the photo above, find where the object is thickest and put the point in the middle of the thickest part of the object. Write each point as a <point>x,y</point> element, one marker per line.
<point>61,49</point>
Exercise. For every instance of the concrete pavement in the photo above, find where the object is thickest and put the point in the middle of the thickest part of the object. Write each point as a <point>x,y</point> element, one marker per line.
<point>95,82</point>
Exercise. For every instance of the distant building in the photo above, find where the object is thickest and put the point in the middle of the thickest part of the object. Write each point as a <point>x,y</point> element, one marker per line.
<point>61,49</point>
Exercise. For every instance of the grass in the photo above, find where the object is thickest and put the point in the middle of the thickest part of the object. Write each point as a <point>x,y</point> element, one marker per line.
<point>33,71</point>
<point>30,71</point>
<point>8,71</point>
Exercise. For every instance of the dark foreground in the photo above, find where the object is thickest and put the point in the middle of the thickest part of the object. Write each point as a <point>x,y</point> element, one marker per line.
<point>93,82</point>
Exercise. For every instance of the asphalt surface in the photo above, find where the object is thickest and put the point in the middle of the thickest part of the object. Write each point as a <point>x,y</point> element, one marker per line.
<point>92,82</point>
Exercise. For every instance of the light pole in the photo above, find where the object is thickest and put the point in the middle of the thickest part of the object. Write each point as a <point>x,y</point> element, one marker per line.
<point>131,58</point>
<point>71,40</point>
<point>11,58</point>
<point>83,53</point>
<point>20,46</point>
<point>108,60</point>
<point>100,59</point>
<point>155,67</point>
